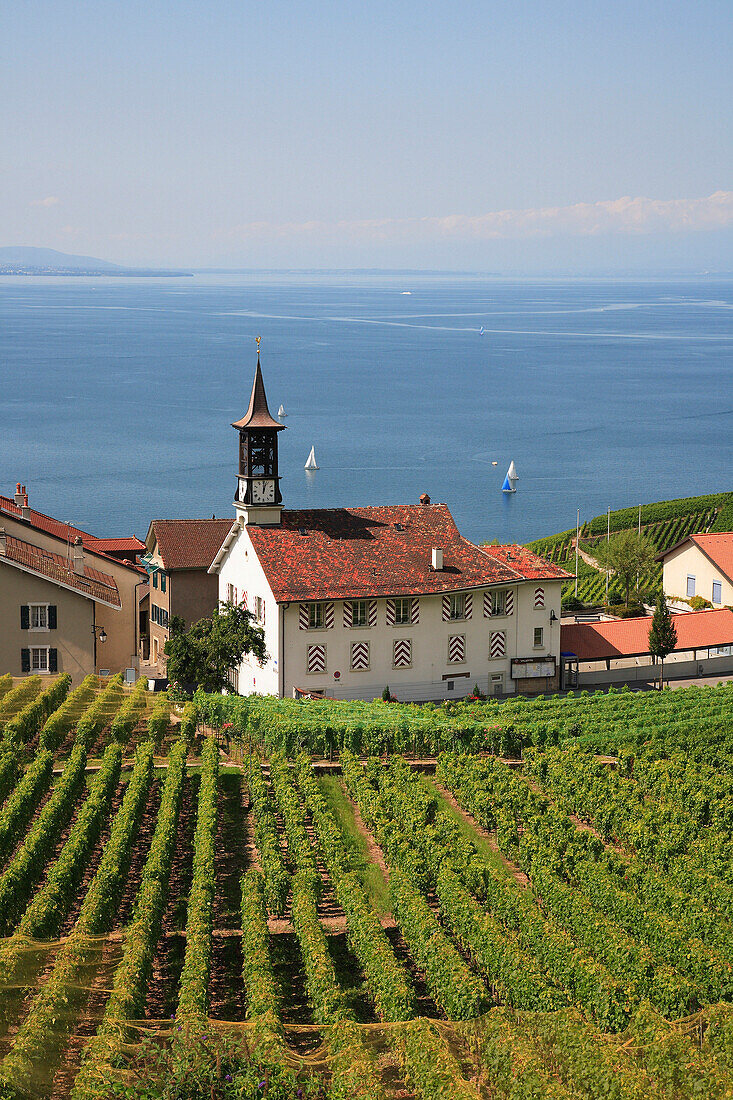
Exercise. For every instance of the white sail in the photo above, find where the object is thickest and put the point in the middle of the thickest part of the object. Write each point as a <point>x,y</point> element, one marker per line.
<point>512,472</point>
<point>311,464</point>
<point>281,411</point>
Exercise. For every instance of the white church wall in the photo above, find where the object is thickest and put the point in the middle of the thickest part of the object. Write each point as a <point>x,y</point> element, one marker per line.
<point>242,570</point>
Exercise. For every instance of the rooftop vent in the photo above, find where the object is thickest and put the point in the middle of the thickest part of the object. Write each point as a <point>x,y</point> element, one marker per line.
<point>437,559</point>
<point>399,526</point>
<point>302,531</point>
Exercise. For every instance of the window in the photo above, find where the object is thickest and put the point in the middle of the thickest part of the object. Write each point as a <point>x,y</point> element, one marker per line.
<point>155,578</point>
<point>315,616</point>
<point>720,651</point>
<point>402,610</point>
<point>39,658</point>
<point>38,616</point>
<point>359,656</point>
<point>717,592</point>
<point>162,581</point>
<point>456,649</point>
<point>230,593</point>
<point>457,606</point>
<point>359,613</point>
<point>259,609</point>
<point>690,586</point>
<point>498,601</point>
<point>538,637</point>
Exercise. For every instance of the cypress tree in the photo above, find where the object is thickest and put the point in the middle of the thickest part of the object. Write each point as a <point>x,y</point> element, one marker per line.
<point>662,633</point>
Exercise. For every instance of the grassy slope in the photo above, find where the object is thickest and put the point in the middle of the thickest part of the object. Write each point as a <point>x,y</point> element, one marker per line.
<point>368,873</point>
<point>663,522</point>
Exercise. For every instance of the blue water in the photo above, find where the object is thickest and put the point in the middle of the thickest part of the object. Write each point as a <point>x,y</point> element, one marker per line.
<point>117,394</point>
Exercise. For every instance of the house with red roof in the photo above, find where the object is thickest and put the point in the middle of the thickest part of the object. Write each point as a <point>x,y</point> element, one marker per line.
<point>178,555</point>
<point>69,601</point>
<point>700,565</point>
<point>354,599</point>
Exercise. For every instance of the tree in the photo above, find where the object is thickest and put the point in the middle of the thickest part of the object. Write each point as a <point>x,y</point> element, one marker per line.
<point>206,654</point>
<point>627,554</point>
<point>662,633</point>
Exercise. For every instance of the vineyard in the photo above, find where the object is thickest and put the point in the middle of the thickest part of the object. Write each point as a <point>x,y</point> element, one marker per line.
<point>259,897</point>
<point>664,523</point>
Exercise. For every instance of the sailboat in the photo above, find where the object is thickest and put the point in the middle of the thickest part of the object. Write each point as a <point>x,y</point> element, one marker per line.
<point>281,411</point>
<point>311,463</point>
<point>509,480</point>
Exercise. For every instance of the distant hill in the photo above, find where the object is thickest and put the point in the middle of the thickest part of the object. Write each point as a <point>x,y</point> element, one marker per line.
<point>20,260</point>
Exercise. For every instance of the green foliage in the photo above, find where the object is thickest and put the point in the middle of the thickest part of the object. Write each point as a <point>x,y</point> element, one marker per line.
<point>160,718</point>
<point>276,878</point>
<point>193,992</point>
<point>15,699</point>
<point>63,719</point>
<point>207,653</point>
<point>662,632</point>
<point>27,722</point>
<point>628,554</point>
<point>259,979</point>
<point>23,801</point>
<point>130,713</point>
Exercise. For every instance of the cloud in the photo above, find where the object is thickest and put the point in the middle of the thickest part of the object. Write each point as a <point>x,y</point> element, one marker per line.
<point>624,216</point>
<point>50,200</point>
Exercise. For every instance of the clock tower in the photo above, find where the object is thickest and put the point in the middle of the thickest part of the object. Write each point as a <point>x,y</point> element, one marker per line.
<point>258,499</point>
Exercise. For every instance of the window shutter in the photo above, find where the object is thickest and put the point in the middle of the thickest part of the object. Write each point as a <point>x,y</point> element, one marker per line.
<point>456,648</point>
<point>52,617</point>
<point>348,613</point>
<point>497,644</point>
<point>303,616</point>
<point>390,613</point>
<point>446,608</point>
<point>487,605</point>
<point>53,660</point>
<point>415,610</point>
<point>509,606</point>
<point>469,605</point>
<point>328,616</point>
<point>25,659</point>
<point>539,598</point>
<point>372,612</point>
<point>25,620</point>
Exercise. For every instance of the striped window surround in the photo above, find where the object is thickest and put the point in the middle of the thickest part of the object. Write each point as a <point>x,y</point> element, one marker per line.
<point>452,601</point>
<point>349,612</point>
<point>324,618</point>
<point>412,604</point>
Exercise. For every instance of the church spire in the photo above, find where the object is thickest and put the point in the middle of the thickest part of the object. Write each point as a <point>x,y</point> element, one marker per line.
<point>258,414</point>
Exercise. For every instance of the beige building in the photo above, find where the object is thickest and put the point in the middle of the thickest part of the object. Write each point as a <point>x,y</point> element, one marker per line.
<point>354,599</point>
<point>63,554</point>
<point>178,555</point>
<point>701,565</point>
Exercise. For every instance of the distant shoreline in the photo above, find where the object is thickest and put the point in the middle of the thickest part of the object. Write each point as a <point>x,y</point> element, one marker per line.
<point>124,273</point>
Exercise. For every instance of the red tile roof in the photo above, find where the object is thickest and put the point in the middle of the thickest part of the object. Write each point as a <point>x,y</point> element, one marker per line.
<point>189,543</point>
<point>717,547</point>
<point>339,553</point>
<point>630,637</point>
<point>55,567</point>
<point>66,531</point>
<point>132,545</point>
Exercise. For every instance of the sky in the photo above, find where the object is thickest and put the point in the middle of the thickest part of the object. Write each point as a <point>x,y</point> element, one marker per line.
<point>498,136</point>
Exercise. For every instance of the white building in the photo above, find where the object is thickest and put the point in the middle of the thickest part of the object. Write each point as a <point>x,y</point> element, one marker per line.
<point>700,565</point>
<point>354,599</point>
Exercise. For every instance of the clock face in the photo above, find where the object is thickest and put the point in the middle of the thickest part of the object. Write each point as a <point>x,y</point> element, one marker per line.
<point>263,492</point>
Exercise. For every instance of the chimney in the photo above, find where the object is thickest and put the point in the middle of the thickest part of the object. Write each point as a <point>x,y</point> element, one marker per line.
<point>437,562</point>
<point>18,494</point>
<point>24,508</point>
<point>79,556</point>
<point>425,499</point>
<point>3,542</point>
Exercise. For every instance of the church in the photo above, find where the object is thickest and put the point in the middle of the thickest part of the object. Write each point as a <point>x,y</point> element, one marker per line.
<point>354,599</point>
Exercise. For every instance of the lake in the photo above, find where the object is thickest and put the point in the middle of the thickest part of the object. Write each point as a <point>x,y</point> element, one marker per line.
<point>118,394</point>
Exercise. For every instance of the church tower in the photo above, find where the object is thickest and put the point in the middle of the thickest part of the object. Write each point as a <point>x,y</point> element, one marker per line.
<point>258,499</point>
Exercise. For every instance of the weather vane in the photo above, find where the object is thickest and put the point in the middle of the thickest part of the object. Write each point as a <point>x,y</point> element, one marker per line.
<point>258,338</point>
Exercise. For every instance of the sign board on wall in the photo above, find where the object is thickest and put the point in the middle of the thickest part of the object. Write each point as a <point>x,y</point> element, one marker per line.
<point>530,668</point>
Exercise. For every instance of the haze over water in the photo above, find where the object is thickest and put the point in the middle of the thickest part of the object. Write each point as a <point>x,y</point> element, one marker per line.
<point>118,394</point>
